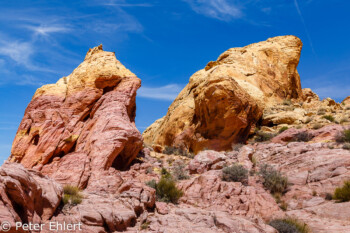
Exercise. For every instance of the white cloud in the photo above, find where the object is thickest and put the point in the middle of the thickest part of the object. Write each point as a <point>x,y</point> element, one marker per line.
<point>168,92</point>
<point>19,52</point>
<point>45,30</point>
<point>218,9</point>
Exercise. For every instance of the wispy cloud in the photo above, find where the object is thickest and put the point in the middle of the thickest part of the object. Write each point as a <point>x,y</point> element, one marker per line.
<point>168,92</point>
<point>46,30</point>
<point>305,27</point>
<point>218,9</point>
<point>20,52</point>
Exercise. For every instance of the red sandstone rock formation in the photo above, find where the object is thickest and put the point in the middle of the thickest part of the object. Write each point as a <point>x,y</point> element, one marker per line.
<point>83,124</point>
<point>26,196</point>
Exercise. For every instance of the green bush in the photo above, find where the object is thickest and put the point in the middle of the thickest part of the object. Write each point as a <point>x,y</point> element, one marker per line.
<point>273,179</point>
<point>343,136</point>
<point>329,117</point>
<point>72,195</point>
<point>171,150</point>
<point>342,194</point>
<point>166,189</point>
<point>284,128</point>
<point>289,225</point>
<point>235,173</point>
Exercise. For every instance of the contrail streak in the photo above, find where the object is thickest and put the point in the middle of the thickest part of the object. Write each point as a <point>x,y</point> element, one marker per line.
<point>306,30</point>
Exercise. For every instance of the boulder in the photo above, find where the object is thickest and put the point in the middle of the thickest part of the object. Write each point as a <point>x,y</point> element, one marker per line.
<point>26,196</point>
<point>346,101</point>
<point>205,160</point>
<point>83,124</point>
<point>222,102</point>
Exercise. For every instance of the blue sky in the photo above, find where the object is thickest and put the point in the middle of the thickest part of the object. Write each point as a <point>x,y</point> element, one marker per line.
<point>163,42</point>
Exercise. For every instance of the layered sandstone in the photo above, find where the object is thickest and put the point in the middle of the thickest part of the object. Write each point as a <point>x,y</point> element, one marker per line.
<point>222,102</point>
<point>82,125</point>
<point>26,196</point>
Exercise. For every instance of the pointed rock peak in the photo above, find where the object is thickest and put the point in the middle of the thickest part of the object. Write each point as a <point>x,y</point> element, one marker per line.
<point>94,50</point>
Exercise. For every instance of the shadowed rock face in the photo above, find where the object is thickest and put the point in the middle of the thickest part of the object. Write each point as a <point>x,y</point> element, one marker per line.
<point>222,102</point>
<point>83,124</point>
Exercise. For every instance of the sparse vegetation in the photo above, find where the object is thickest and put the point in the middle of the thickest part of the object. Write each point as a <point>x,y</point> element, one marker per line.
<point>284,128</point>
<point>166,189</point>
<point>289,225</point>
<point>144,226</point>
<point>329,117</point>
<point>314,193</point>
<point>171,150</point>
<point>235,173</point>
<point>346,146</point>
<point>284,206</point>
<point>343,136</point>
<point>273,179</point>
<point>263,136</point>
<point>179,172</point>
<point>342,194</point>
<point>321,111</point>
<point>347,108</point>
<point>303,137</point>
<point>328,196</point>
<point>72,195</point>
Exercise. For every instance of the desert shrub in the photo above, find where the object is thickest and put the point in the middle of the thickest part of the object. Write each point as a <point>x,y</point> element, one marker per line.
<point>284,206</point>
<point>346,146</point>
<point>317,126</point>
<point>171,150</point>
<point>152,184</point>
<point>342,194</point>
<point>235,173</point>
<point>343,136</point>
<point>263,136</point>
<point>321,111</point>
<point>72,195</point>
<point>166,189</point>
<point>289,225</point>
<point>329,117</point>
<point>179,172</point>
<point>144,226</point>
<point>273,179</point>
<point>303,137</point>
<point>284,128</point>
<point>287,102</point>
<point>329,196</point>
<point>314,193</point>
